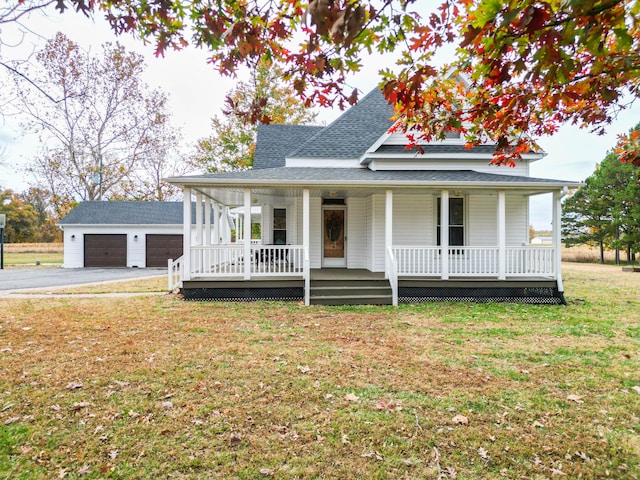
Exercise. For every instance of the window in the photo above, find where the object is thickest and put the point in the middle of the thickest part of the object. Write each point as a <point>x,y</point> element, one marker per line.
<point>456,221</point>
<point>279,226</point>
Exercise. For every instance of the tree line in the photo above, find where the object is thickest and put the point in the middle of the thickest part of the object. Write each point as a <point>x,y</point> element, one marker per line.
<point>605,212</point>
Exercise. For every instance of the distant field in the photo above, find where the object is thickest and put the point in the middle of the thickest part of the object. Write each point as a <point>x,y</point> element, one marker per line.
<point>586,254</point>
<point>33,248</point>
<point>30,253</point>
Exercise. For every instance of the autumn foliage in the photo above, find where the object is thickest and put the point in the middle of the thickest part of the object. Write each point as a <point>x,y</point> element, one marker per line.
<point>530,65</point>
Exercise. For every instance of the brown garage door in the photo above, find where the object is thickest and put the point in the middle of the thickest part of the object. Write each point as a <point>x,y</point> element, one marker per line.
<point>161,248</point>
<point>105,250</point>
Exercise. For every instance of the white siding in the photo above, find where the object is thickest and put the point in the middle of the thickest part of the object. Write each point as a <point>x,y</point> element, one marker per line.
<point>356,233</point>
<point>315,231</point>
<point>377,233</point>
<point>267,224</point>
<point>368,232</point>
<point>73,248</point>
<point>479,165</point>
<point>481,220</point>
<point>136,249</point>
<point>413,221</point>
<point>517,213</point>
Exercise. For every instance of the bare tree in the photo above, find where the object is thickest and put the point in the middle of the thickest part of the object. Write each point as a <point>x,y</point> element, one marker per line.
<point>107,126</point>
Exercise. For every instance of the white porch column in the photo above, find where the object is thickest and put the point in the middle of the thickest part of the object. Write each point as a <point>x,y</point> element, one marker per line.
<point>502,235</point>
<point>186,223</point>
<point>305,220</point>
<point>306,244</point>
<point>557,238</point>
<point>207,221</point>
<point>247,233</point>
<point>444,234</point>
<point>198,218</point>
<point>388,230</point>
<point>224,225</point>
<point>217,218</point>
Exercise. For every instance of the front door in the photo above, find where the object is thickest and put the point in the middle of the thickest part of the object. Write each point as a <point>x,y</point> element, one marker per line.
<point>334,236</point>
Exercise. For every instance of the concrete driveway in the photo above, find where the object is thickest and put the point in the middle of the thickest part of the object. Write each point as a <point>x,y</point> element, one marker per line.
<point>38,277</point>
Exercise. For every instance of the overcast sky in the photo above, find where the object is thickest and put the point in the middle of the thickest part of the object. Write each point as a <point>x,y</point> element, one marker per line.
<point>196,93</point>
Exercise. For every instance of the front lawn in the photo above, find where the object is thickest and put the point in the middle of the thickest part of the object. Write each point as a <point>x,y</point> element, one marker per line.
<point>158,387</point>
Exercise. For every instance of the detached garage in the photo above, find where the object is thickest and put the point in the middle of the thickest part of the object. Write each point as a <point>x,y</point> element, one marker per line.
<point>122,234</point>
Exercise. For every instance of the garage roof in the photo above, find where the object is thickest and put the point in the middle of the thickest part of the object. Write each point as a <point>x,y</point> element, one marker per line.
<point>125,213</point>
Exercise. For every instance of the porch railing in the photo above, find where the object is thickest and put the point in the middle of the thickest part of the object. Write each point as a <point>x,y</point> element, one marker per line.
<point>529,261</point>
<point>277,260</point>
<point>465,261</point>
<point>217,261</point>
<point>174,279</point>
<point>213,261</point>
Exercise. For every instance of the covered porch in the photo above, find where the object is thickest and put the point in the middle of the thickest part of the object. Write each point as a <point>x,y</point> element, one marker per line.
<point>409,269</point>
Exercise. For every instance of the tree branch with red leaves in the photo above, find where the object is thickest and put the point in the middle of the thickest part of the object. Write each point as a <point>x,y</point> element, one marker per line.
<point>532,65</point>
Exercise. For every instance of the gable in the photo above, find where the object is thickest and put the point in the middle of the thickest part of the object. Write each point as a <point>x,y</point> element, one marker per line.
<point>352,134</point>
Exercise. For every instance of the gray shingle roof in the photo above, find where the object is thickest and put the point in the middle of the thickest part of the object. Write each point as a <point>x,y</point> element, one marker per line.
<point>351,134</point>
<point>308,176</point>
<point>437,148</point>
<point>125,213</point>
<point>275,142</point>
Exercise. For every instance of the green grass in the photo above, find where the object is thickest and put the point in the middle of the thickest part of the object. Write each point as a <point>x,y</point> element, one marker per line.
<point>275,390</point>
<point>30,258</point>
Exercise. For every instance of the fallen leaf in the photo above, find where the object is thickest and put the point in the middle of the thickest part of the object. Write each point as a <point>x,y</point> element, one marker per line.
<point>375,455</point>
<point>79,406</point>
<point>388,405</point>
<point>235,438</point>
<point>636,388</point>
<point>84,470</point>
<point>484,454</point>
<point>537,424</point>
<point>267,471</point>
<point>303,369</point>
<point>11,420</point>
<point>460,420</point>
<point>74,385</point>
<point>556,472</point>
<point>351,397</point>
<point>575,398</point>
<point>113,454</point>
<point>167,405</point>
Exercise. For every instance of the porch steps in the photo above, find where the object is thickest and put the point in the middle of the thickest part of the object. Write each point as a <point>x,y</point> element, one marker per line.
<point>350,291</point>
